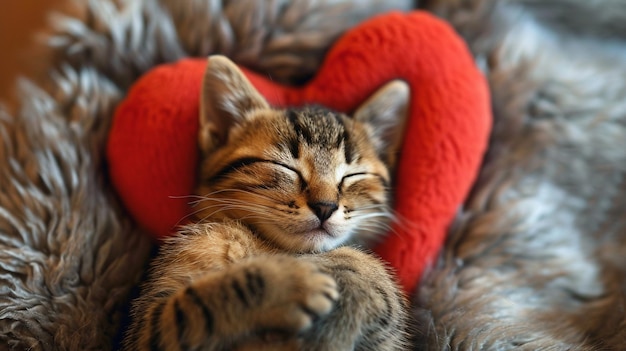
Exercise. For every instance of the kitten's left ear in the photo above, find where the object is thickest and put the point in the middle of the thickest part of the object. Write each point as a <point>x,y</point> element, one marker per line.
<point>386,112</point>
<point>226,98</point>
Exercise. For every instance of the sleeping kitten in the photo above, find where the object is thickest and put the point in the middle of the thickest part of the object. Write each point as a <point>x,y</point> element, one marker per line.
<point>280,193</point>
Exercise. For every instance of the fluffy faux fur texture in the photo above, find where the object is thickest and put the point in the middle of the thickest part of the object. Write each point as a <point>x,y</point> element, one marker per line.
<point>535,261</point>
<point>68,254</point>
<point>537,257</point>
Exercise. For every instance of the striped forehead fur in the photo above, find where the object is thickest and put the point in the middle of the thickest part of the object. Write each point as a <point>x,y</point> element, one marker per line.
<point>319,127</point>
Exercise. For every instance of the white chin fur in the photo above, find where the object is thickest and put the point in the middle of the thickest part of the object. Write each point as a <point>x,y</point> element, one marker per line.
<point>314,240</point>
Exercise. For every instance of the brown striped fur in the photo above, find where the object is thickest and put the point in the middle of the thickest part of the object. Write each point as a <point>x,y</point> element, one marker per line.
<point>280,194</point>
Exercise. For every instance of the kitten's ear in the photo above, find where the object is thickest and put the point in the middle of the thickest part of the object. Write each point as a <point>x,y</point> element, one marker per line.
<point>386,112</point>
<point>226,98</point>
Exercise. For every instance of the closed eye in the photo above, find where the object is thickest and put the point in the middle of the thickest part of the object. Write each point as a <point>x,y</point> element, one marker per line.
<point>354,175</point>
<point>244,162</point>
<point>289,169</point>
<point>358,176</point>
<point>285,168</point>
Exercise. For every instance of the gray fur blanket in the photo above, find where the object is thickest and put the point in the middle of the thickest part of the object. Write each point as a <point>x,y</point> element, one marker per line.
<point>535,260</point>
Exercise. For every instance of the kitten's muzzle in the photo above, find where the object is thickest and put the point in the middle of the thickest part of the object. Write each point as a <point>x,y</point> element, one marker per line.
<point>323,210</point>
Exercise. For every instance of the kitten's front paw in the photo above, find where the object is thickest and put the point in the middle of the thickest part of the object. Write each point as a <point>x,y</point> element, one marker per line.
<point>303,295</point>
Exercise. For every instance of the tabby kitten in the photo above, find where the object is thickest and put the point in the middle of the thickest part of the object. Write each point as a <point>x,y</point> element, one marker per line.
<point>281,192</point>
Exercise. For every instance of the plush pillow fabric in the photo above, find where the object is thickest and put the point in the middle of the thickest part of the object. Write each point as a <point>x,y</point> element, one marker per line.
<point>152,145</point>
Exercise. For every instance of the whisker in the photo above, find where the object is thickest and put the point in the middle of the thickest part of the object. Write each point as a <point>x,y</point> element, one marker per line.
<point>187,216</point>
<point>225,201</point>
<point>362,216</point>
<point>219,209</point>
<point>379,224</point>
<point>376,228</point>
<point>375,207</point>
<point>243,191</point>
<point>192,196</point>
<point>406,223</point>
<point>242,205</point>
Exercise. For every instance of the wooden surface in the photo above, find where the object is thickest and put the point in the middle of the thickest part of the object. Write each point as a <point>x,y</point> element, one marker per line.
<point>19,22</point>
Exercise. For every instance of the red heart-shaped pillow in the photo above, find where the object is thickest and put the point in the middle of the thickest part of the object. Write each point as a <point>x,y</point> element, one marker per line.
<point>152,150</point>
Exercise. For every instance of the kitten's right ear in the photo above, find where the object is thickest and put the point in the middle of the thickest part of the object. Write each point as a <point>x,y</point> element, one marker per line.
<point>226,98</point>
